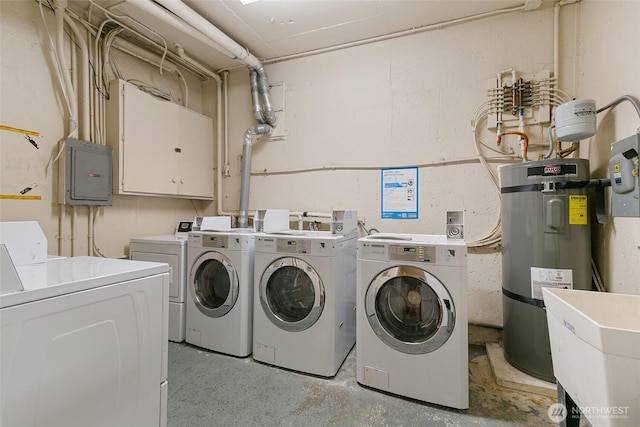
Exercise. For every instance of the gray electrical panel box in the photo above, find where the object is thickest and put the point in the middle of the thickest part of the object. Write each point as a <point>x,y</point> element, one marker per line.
<point>624,166</point>
<point>87,173</point>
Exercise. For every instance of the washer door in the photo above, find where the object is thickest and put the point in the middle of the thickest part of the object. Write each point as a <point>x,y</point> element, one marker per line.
<point>213,284</point>
<point>410,310</point>
<point>291,294</point>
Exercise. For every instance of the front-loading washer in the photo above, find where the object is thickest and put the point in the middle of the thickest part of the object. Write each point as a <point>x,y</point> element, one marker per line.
<point>304,300</point>
<point>412,317</point>
<point>220,297</point>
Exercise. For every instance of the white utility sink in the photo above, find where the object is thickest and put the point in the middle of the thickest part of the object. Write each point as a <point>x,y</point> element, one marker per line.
<point>595,346</point>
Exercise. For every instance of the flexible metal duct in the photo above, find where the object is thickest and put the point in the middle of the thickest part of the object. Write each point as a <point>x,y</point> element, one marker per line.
<point>269,116</point>
<point>252,132</point>
<point>255,95</point>
<point>260,96</point>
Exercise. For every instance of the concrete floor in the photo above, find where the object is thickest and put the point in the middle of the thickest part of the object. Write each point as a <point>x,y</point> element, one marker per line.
<point>211,389</point>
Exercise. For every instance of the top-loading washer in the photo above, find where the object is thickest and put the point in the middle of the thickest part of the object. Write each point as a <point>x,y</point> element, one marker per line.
<point>304,300</point>
<point>84,342</point>
<point>412,317</point>
<point>171,249</point>
<point>219,304</point>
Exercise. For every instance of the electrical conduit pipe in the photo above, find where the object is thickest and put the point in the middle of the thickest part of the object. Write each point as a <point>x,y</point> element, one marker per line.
<point>84,119</point>
<point>193,18</point>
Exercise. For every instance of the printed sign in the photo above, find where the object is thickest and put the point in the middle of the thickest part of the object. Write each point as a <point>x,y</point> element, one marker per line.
<point>399,193</point>
<point>549,278</point>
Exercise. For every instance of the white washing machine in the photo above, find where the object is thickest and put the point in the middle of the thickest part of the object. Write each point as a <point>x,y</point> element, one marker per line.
<point>412,317</point>
<point>304,301</point>
<point>172,250</point>
<point>220,297</point>
<point>85,344</point>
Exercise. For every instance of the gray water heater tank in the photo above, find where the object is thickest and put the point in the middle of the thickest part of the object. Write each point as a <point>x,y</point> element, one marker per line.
<point>546,241</point>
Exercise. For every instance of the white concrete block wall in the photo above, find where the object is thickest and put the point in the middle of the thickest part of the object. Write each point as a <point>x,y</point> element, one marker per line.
<point>402,102</point>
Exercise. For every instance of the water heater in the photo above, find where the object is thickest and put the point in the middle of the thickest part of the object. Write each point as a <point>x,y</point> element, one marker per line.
<point>546,243</point>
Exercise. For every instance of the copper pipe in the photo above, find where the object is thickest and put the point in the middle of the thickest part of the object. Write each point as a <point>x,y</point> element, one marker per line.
<point>525,141</point>
<point>574,146</point>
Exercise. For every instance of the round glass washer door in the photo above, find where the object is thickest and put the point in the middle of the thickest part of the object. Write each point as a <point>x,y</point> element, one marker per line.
<point>410,310</point>
<point>213,284</point>
<point>292,294</point>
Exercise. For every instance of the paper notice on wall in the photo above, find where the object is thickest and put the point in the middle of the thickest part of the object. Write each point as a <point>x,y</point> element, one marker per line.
<point>549,278</point>
<point>399,193</point>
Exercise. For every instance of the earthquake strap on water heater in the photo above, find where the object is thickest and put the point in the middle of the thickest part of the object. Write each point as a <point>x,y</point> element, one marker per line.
<point>601,214</point>
<point>598,184</point>
<point>522,298</point>
<point>557,185</point>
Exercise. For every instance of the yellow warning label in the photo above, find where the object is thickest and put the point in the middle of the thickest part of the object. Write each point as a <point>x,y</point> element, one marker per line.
<point>616,167</point>
<point>577,210</point>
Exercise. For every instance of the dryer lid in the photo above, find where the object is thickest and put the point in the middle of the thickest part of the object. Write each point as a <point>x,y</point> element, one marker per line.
<point>61,276</point>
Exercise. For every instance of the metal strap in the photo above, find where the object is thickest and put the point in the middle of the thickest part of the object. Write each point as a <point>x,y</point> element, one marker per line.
<point>522,298</point>
<point>560,185</point>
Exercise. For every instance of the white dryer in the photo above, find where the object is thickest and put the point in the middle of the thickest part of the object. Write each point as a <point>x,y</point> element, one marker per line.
<point>85,344</point>
<point>171,249</point>
<point>412,317</point>
<point>304,301</point>
<point>219,304</point>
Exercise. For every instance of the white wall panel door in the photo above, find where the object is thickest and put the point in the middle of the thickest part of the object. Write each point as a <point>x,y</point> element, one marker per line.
<point>150,139</point>
<point>196,154</point>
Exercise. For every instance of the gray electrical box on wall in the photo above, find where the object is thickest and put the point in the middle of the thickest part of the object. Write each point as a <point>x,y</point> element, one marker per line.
<point>623,171</point>
<point>88,179</point>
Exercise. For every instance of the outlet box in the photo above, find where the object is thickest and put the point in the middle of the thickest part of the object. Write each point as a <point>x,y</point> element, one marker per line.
<point>344,222</point>
<point>455,225</point>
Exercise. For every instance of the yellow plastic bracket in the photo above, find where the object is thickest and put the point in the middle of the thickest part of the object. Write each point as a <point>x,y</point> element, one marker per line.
<point>24,131</point>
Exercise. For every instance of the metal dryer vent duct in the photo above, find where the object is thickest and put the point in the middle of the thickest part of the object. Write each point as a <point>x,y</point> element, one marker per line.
<point>250,134</point>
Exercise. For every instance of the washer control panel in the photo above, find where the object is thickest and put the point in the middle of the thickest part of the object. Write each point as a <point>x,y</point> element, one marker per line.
<point>412,253</point>
<point>294,246</point>
<point>215,241</point>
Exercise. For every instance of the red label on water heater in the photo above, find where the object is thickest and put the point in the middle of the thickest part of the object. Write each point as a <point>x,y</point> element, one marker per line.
<point>552,170</point>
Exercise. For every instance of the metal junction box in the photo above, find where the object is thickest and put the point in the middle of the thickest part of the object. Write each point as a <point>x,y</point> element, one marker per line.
<point>623,171</point>
<point>88,178</point>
